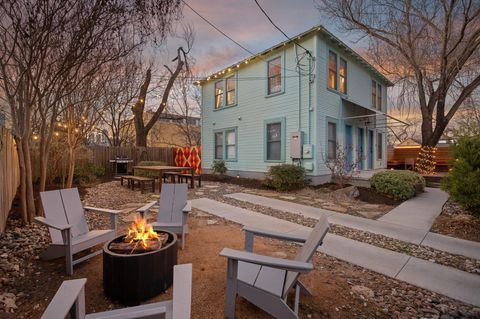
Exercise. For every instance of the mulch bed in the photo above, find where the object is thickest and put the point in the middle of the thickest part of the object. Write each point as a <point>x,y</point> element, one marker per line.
<point>245,182</point>
<point>370,196</point>
<point>456,221</point>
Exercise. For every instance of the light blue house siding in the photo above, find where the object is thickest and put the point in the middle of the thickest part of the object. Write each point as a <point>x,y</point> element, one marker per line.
<point>304,104</point>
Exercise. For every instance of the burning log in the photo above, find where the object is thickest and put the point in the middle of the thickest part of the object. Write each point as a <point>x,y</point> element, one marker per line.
<point>136,247</point>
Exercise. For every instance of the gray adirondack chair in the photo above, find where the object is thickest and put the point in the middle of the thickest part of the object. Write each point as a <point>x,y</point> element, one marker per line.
<point>266,281</point>
<point>70,299</point>
<point>65,219</point>
<point>173,210</point>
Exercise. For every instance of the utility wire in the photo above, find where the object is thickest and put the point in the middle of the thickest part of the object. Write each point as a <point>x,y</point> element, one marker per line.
<point>227,36</point>
<point>278,28</point>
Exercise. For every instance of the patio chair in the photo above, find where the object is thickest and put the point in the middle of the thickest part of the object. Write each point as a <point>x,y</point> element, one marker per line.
<point>65,219</point>
<point>70,299</point>
<point>266,281</point>
<point>173,210</point>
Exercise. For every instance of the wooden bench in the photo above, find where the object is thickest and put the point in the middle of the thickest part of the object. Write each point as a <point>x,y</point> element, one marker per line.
<point>141,182</point>
<point>171,175</point>
<point>125,177</point>
<point>188,178</point>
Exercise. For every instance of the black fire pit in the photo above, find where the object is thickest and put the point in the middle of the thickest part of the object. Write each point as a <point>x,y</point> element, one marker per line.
<point>132,278</point>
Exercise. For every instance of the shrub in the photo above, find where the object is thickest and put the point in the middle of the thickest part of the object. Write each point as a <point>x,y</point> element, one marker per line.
<point>400,185</point>
<point>463,180</point>
<point>219,167</point>
<point>88,173</point>
<point>150,174</point>
<point>285,177</point>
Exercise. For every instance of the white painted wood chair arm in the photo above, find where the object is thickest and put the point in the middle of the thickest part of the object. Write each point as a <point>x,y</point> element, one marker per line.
<point>102,210</point>
<point>69,293</point>
<point>137,312</point>
<point>146,208</point>
<point>291,265</point>
<point>188,207</point>
<point>274,235</point>
<point>50,223</point>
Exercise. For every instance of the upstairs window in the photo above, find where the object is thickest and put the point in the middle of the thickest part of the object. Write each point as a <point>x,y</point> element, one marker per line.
<point>218,94</point>
<point>332,141</point>
<point>274,141</point>
<point>379,97</point>
<point>231,95</point>
<point>274,75</point>
<point>219,145</point>
<point>343,76</point>
<point>332,70</point>
<point>374,94</point>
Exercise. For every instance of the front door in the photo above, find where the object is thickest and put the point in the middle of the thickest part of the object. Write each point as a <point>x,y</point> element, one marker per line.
<point>360,149</point>
<point>348,146</point>
<point>370,149</point>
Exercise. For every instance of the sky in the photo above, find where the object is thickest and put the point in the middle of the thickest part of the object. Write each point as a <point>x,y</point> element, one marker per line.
<point>245,23</point>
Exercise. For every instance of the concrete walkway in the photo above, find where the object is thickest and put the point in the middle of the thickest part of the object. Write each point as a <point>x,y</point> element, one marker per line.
<point>441,279</point>
<point>418,212</point>
<point>396,231</point>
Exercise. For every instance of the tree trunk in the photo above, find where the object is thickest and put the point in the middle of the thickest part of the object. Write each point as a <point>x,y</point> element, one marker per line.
<point>23,181</point>
<point>141,138</point>
<point>71,167</point>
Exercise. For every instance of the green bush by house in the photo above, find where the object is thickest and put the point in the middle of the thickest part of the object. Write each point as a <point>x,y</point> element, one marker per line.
<point>144,173</point>
<point>463,180</point>
<point>285,177</point>
<point>219,167</point>
<point>88,173</point>
<point>400,185</point>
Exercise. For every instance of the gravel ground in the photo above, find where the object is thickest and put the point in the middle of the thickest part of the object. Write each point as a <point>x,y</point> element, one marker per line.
<point>460,262</point>
<point>457,222</point>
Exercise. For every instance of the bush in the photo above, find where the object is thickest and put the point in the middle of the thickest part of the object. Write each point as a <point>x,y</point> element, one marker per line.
<point>400,185</point>
<point>463,180</point>
<point>88,173</point>
<point>285,177</point>
<point>219,167</point>
<point>149,174</point>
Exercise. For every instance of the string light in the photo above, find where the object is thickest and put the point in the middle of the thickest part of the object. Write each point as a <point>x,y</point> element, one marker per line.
<point>35,137</point>
<point>426,163</point>
<point>56,134</point>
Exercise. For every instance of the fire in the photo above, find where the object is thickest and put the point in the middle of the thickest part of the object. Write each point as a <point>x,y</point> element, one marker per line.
<point>140,232</point>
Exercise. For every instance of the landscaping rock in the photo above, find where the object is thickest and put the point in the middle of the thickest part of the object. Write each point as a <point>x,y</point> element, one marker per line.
<point>363,291</point>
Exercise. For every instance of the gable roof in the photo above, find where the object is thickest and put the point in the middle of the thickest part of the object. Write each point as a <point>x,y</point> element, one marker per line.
<point>319,28</point>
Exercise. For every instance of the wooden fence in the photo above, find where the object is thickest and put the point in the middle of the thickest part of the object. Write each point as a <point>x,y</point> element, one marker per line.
<point>102,155</point>
<point>9,175</point>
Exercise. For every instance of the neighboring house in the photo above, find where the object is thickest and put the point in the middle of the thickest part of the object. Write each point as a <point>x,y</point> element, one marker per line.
<point>173,130</point>
<point>261,112</point>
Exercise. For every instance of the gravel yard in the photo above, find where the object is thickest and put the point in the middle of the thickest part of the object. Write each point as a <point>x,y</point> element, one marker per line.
<point>341,290</point>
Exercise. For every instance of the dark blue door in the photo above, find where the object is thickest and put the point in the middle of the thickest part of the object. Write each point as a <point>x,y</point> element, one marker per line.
<point>349,146</point>
<point>370,149</point>
<point>360,148</point>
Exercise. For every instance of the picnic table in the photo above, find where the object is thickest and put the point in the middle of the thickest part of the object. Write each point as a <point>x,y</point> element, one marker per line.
<point>163,169</point>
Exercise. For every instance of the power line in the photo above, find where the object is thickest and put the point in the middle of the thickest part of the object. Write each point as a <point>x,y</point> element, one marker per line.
<point>227,36</point>
<point>278,28</point>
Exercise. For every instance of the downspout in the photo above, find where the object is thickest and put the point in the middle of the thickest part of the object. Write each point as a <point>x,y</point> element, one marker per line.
<point>299,93</point>
<point>310,110</point>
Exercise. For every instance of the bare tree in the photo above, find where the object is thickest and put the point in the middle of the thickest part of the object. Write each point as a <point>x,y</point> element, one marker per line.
<point>431,48</point>
<point>43,45</point>
<point>467,120</point>
<point>342,164</point>
<point>182,64</point>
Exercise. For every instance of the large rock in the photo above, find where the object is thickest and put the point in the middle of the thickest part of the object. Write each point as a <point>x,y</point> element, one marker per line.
<point>363,291</point>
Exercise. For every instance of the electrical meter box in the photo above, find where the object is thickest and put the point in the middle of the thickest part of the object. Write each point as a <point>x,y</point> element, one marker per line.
<point>296,141</point>
<point>308,151</point>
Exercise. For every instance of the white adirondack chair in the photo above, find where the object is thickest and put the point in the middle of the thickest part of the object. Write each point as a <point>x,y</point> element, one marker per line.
<point>65,219</point>
<point>70,299</point>
<point>266,281</point>
<point>173,210</point>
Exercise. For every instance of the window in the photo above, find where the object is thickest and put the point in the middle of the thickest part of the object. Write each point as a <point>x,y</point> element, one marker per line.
<point>379,146</point>
<point>231,90</point>
<point>343,76</point>
<point>274,141</point>
<point>332,70</point>
<point>231,147</point>
<point>374,94</point>
<point>218,94</point>
<point>332,140</point>
<point>275,75</point>
<point>219,145</point>
<point>379,97</point>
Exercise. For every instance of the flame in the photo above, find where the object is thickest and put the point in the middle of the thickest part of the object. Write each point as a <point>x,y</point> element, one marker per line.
<point>140,231</point>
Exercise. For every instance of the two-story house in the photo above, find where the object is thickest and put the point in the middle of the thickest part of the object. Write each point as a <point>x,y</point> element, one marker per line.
<point>297,102</point>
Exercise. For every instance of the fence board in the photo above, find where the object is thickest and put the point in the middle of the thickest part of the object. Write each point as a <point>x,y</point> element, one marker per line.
<point>9,175</point>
